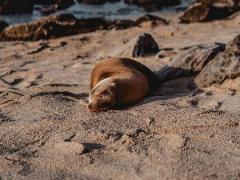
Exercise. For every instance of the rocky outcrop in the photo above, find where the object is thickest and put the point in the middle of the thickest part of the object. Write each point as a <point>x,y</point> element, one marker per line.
<point>225,65</point>
<point>153,4</point>
<point>209,10</point>
<point>52,27</point>
<point>209,64</point>
<point>64,25</point>
<point>16,6</point>
<point>190,62</point>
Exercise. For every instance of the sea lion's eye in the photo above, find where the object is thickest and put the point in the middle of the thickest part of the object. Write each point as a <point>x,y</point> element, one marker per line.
<point>105,92</point>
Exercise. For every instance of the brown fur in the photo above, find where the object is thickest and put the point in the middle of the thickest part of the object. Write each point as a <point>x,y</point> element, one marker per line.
<point>127,82</point>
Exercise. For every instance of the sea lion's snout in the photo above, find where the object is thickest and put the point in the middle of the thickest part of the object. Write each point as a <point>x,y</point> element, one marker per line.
<point>91,107</point>
<point>98,106</point>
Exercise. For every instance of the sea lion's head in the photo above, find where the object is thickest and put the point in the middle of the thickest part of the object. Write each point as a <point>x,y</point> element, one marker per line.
<point>103,96</point>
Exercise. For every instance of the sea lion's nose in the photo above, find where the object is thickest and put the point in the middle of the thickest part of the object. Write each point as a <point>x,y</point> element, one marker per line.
<point>90,106</point>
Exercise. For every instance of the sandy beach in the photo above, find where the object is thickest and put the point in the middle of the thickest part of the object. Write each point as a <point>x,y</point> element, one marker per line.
<point>179,132</point>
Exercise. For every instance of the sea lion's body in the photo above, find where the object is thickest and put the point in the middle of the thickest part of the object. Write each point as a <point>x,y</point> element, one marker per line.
<point>119,82</point>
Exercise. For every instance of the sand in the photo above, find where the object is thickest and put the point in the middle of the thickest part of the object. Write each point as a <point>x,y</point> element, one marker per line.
<point>47,132</point>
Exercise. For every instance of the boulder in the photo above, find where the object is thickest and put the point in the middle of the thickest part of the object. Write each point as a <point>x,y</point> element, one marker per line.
<point>209,10</point>
<point>140,46</point>
<point>190,62</point>
<point>145,45</point>
<point>225,65</point>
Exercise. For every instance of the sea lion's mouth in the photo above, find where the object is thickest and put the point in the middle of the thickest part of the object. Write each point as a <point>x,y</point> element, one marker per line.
<point>97,109</point>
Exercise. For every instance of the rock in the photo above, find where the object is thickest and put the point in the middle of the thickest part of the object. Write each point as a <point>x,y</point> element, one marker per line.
<point>140,46</point>
<point>145,45</point>
<point>210,104</point>
<point>224,66</point>
<point>69,136</point>
<point>3,25</point>
<point>121,24</point>
<point>96,2</point>
<point>153,4</point>
<point>69,148</point>
<point>124,24</point>
<point>190,62</point>
<point>151,18</point>
<point>234,45</point>
<point>52,27</point>
<point>208,11</point>
<point>195,13</point>
<point>16,6</point>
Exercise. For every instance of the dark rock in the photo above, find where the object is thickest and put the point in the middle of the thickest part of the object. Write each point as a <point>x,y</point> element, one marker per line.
<point>145,45</point>
<point>152,18</point>
<point>153,4</point>
<point>121,24</point>
<point>16,6</point>
<point>190,62</point>
<point>96,2</point>
<point>124,24</point>
<point>225,65</point>
<point>209,10</point>
<point>234,45</point>
<point>66,24</point>
<point>52,27</point>
<point>195,13</point>
<point>139,46</point>
<point>3,25</point>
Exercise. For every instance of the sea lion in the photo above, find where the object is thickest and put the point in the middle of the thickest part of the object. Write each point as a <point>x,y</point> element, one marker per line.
<point>118,82</point>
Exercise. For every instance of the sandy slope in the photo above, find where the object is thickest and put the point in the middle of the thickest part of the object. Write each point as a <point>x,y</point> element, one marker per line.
<point>46,131</point>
